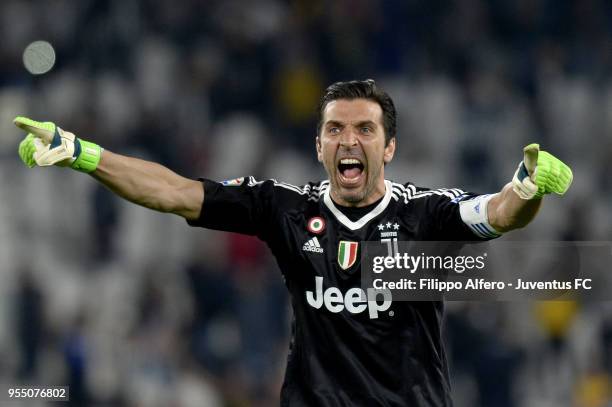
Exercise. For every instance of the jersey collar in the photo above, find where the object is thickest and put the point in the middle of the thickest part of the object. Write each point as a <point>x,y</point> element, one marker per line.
<point>358,224</point>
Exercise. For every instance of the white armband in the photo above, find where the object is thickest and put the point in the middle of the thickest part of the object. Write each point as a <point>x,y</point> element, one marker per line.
<point>474,214</point>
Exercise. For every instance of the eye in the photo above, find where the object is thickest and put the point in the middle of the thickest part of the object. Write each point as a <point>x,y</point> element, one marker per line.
<point>334,130</point>
<point>366,130</point>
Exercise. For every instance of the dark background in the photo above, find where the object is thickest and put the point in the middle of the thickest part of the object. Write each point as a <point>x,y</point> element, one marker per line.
<point>134,308</point>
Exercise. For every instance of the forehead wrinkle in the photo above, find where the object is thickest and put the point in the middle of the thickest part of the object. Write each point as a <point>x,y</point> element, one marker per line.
<point>343,111</point>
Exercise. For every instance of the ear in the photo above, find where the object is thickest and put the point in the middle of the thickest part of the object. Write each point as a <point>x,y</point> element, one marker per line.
<point>389,151</point>
<point>318,146</point>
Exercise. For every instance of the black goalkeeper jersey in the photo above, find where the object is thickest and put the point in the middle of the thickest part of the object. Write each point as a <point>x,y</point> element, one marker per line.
<point>344,351</point>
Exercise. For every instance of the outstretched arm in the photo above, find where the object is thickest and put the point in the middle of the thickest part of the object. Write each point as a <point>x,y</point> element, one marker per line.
<point>507,211</point>
<point>141,182</point>
<point>150,185</point>
<point>518,202</point>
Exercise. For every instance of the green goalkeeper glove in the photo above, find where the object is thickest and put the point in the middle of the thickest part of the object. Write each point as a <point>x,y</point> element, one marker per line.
<point>46,144</point>
<point>540,173</point>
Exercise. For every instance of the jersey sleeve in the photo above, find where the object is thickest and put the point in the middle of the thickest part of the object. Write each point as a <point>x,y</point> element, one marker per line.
<point>457,215</point>
<point>242,205</point>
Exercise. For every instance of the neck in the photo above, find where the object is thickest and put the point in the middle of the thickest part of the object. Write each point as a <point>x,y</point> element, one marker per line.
<point>371,196</point>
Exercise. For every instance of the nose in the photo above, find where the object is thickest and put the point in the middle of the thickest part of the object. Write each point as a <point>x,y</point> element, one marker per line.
<point>348,138</point>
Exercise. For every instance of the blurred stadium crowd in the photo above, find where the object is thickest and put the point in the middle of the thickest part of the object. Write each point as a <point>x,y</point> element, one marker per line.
<point>134,308</point>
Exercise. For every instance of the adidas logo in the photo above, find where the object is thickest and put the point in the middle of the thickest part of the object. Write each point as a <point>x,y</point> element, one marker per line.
<point>312,246</point>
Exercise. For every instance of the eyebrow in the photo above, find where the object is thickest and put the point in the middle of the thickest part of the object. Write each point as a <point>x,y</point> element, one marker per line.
<point>333,123</point>
<point>358,124</point>
<point>366,123</point>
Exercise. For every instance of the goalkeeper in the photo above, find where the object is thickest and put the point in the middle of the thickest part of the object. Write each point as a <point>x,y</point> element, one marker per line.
<point>344,350</point>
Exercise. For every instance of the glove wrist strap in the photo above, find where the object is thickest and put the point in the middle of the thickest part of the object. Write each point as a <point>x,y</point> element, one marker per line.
<point>87,161</point>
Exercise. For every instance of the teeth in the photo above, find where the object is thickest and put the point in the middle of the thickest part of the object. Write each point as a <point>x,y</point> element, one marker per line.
<point>350,161</point>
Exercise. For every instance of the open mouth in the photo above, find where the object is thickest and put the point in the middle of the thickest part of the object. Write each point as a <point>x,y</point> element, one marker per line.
<point>350,170</point>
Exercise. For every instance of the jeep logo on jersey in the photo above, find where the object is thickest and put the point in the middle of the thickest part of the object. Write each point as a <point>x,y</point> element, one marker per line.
<point>354,301</point>
<point>347,253</point>
<point>316,225</point>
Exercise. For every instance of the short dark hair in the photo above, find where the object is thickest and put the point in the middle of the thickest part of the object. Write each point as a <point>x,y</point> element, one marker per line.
<point>362,90</point>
